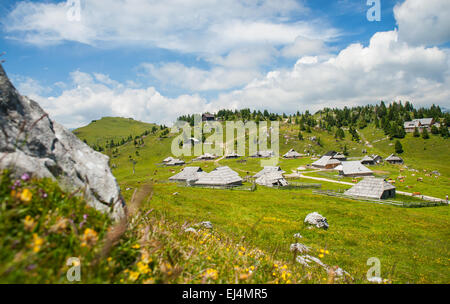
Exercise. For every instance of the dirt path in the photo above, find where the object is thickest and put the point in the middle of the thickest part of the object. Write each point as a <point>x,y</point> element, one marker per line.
<point>366,142</point>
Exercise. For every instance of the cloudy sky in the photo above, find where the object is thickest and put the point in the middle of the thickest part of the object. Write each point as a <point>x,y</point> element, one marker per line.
<point>155,60</point>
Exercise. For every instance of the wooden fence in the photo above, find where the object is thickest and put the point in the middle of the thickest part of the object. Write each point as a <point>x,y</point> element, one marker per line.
<point>382,202</point>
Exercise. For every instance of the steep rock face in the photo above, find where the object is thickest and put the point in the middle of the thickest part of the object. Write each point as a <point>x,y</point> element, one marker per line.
<point>31,142</point>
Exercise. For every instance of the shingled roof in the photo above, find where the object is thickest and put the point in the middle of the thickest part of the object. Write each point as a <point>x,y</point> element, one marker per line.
<point>188,174</point>
<point>220,176</point>
<point>353,168</point>
<point>372,187</point>
<point>271,179</point>
<point>206,156</point>
<point>326,161</point>
<point>292,154</point>
<point>393,158</point>
<point>268,169</point>
<point>175,162</point>
<point>367,160</point>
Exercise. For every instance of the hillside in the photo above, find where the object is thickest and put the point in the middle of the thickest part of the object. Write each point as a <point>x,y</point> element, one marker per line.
<point>409,242</point>
<point>98,132</point>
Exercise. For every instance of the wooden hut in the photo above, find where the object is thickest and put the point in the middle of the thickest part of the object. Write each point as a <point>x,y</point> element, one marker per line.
<point>372,187</point>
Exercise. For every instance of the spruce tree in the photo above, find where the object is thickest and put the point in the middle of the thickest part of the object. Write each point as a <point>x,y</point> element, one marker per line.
<point>425,134</point>
<point>398,147</point>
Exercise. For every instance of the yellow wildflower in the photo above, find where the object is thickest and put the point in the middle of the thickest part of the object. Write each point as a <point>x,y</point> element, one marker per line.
<point>211,273</point>
<point>146,257</point>
<point>29,223</point>
<point>321,255</point>
<point>89,237</point>
<point>143,268</point>
<point>37,243</point>
<point>133,275</point>
<point>136,246</point>
<point>149,281</point>
<point>26,196</point>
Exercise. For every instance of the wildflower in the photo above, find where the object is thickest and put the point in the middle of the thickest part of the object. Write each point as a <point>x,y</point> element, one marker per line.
<point>149,281</point>
<point>143,268</point>
<point>211,273</point>
<point>25,177</point>
<point>29,223</point>
<point>136,246</point>
<point>327,252</point>
<point>109,259</point>
<point>89,237</point>
<point>146,257</point>
<point>244,276</point>
<point>321,255</point>
<point>37,243</point>
<point>60,225</point>
<point>42,193</point>
<point>133,275</point>
<point>26,196</point>
<point>16,184</point>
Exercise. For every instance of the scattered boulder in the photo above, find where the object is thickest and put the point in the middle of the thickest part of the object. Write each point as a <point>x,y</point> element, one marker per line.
<point>30,142</point>
<point>207,225</point>
<point>190,230</point>
<point>317,220</point>
<point>300,248</point>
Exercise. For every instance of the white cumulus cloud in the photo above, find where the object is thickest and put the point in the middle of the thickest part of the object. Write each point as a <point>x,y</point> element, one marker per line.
<point>423,21</point>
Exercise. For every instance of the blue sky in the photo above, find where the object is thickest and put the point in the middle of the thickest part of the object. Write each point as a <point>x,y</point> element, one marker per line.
<point>154,60</point>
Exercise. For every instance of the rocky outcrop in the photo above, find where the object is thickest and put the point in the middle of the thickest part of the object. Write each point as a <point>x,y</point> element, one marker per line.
<point>30,142</point>
<point>317,220</point>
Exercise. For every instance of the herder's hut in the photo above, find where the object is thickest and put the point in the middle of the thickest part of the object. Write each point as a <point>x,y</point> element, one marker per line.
<point>394,159</point>
<point>272,179</point>
<point>221,176</point>
<point>292,154</point>
<point>373,188</point>
<point>377,158</point>
<point>175,162</point>
<point>367,160</point>
<point>232,155</point>
<point>206,156</point>
<point>188,174</point>
<point>168,159</point>
<point>326,162</point>
<point>339,156</point>
<point>353,169</point>
<point>263,154</point>
<point>268,169</point>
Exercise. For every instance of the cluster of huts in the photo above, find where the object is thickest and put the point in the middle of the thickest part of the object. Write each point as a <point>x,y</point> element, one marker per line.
<point>337,161</point>
<point>272,176</point>
<point>224,176</point>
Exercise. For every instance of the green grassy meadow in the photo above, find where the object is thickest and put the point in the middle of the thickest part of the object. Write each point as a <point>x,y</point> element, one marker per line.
<point>413,244</point>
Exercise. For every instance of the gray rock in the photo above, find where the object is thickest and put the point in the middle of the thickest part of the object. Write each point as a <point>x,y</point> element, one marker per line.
<point>30,142</point>
<point>190,230</point>
<point>207,225</point>
<point>300,248</point>
<point>317,220</point>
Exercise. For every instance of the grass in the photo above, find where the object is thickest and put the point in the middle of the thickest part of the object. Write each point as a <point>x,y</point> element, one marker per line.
<point>404,240</point>
<point>42,227</point>
<point>111,128</point>
<point>153,247</point>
